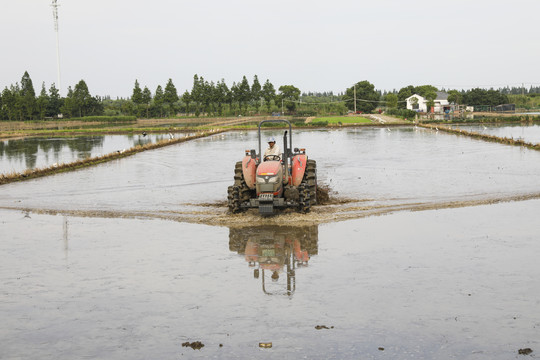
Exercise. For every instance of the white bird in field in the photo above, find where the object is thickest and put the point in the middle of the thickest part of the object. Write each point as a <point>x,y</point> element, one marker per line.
<point>171,136</point>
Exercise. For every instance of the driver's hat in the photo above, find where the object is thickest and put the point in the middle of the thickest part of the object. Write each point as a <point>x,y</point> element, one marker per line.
<point>271,139</point>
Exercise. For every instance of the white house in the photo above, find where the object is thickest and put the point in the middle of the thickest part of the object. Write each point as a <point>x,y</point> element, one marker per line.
<point>419,103</point>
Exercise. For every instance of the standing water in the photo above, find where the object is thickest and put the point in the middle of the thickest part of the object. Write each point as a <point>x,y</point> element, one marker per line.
<point>91,269</point>
<point>30,153</point>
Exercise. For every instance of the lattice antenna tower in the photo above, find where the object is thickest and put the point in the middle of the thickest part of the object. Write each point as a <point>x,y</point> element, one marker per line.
<point>55,16</point>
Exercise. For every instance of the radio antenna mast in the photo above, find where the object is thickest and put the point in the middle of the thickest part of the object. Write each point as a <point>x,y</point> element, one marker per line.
<point>55,16</point>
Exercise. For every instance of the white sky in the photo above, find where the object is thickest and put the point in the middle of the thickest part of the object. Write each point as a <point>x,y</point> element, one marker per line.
<point>315,45</point>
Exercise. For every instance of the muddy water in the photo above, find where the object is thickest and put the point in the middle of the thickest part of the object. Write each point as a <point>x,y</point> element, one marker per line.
<point>455,283</point>
<point>21,154</point>
<point>530,134</point>
<point>381,170</point>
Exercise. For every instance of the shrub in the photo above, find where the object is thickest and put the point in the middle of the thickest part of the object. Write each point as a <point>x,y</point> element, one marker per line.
<point>402,113</point>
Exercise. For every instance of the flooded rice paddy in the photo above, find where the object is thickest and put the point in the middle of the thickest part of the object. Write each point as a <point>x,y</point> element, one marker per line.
<point>379,170</point>
<point>529,133</point>
<point>17,155</point>
<point>121,261</point>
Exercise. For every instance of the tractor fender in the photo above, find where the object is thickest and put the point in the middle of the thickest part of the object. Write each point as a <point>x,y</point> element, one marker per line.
<point>298,166</point>
<point>248,169</point>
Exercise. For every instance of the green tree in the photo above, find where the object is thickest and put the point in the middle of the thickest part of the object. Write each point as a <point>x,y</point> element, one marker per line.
<point>186,99</point>
<point>28,96</point>
<point>159,99</point>
<point>391,100</point>
<point>207,95</point>
<point>256,93</point>
<point>289,95</point>
<point>455,97</point>
<point>81,98</point>
<point>222,92</point>
<point>234,95</point>
<point>170,96</point>
<point>8,103</point>
<point>269,94</point>
<point>146,98</point>
<point>197,93</point>
<point>136,97</point>
<point>243,93</point>
<point>366,97</point>
<point>55,102</point>
<point>42,102</point>
<point>68,107</point>
<point>426,91</point>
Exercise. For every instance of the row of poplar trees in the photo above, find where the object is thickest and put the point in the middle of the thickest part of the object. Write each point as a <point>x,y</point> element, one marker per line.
<point>20,102</point>
<point>205,97</point>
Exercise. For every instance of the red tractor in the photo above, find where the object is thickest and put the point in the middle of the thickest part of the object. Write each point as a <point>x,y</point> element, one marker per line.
<point>285,181</point>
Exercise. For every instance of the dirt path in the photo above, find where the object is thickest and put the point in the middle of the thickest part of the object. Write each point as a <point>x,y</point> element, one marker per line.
<point>384,119</point>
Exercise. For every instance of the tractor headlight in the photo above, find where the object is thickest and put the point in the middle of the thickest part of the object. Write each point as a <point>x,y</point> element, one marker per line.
<point>266,179</point>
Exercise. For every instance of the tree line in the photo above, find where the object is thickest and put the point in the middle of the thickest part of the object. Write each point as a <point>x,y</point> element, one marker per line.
<point>209,98</point>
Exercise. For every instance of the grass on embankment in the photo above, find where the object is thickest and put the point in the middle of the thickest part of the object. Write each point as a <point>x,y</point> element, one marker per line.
<point>337,120</point>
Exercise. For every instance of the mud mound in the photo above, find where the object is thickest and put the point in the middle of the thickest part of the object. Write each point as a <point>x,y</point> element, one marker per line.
<point>323,196</point>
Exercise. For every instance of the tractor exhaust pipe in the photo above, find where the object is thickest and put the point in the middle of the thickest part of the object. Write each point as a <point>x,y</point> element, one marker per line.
<point>286,152</point>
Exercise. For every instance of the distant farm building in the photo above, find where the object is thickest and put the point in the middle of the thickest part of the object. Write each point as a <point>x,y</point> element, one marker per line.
<point>419,103</point>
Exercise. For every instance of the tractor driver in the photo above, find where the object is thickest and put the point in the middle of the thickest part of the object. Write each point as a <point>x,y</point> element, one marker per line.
<point>272,152</point>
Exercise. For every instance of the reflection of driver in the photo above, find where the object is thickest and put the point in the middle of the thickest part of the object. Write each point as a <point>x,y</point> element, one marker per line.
<point>272,149</point>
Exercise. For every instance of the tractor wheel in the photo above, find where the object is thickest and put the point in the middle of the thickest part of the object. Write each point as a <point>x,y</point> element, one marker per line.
<point>311,179</point>
<point>304,203</point>
<point>233,199</point>
<point>239,192</point>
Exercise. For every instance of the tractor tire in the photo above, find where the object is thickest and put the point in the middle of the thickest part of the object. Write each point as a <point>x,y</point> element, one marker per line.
<point>239,192</point>
<point>311,179</point>
<point>304,202</point>
<point>233,199</point>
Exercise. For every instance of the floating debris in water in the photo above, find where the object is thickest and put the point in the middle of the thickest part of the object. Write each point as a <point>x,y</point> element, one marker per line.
<point>319,327</point>
<point>265,345</point>
<point>196,345</point>
<point>525,351</point>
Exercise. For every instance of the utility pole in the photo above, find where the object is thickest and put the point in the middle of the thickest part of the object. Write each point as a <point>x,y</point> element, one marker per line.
<point>282,113</point>
<point>55,16</point>
<point>355,99</point>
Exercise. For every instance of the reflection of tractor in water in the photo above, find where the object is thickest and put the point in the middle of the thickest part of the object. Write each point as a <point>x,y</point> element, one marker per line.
<point>272,251</point>
<point>285,181</point>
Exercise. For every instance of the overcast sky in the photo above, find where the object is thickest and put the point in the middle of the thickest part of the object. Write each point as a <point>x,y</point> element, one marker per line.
<point>315,45</point>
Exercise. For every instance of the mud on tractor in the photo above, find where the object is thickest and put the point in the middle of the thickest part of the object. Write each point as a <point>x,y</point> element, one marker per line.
<point>274,182</point>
